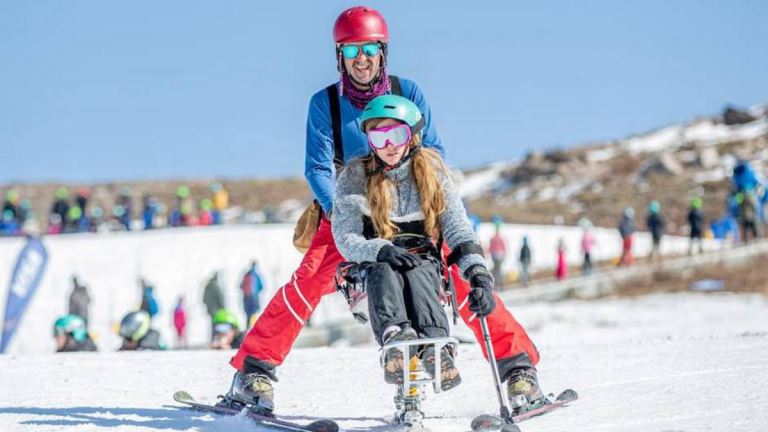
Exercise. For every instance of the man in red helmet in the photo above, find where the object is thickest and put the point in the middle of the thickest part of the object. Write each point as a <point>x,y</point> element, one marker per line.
<point>333,138</point>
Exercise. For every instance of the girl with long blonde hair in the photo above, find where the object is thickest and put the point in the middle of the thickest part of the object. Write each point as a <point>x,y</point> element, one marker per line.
<point>390,209</point>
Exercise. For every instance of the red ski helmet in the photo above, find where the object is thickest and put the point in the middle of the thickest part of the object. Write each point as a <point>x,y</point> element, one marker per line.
<point>358,24</point>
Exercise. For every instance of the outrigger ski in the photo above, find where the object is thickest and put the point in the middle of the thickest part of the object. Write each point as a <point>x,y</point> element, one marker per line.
<point>274,423</point>
<point>488,422</point>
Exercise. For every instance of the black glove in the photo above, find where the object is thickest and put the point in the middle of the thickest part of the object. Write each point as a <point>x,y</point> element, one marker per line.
<point>397,257</point>
<point>481,300</point>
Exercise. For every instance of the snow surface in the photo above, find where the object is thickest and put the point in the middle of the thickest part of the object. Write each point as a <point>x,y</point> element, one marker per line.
<point>673,362</point>
<point>180,261</point>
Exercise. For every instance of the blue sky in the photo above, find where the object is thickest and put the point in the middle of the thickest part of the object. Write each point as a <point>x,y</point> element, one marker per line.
<point>95,91</point>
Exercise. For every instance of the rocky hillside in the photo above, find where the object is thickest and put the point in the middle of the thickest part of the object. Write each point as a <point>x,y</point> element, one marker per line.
<point>598,180</point>
<point>595,180</point>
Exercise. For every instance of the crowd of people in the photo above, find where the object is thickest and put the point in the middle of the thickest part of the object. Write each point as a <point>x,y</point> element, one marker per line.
<point>71,332</point>
<point>77,213</point>
<point>741,224</point>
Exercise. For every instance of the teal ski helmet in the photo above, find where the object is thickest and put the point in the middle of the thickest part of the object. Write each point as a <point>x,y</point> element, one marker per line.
<point>73,325</point>
<point>394,107</point>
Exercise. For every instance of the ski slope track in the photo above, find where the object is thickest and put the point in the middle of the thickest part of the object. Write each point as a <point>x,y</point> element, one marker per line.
<point>666,362</point>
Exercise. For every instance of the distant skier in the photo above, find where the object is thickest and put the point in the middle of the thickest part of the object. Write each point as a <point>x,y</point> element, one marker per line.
<point>226,333</point>
<point>524,262</point>
<point>220,202</point>
<point>137,334</point>
<point>748,216</point>
<point>627,230</point>
<point>180,322</point>
<point>125,202</point>
<point>148,300</point>
<point>213,298</point>
<point>79,299</point>
<point>561,272</point>
<point>205,216</point>
<point>11,206</point>
<point>498,249</point>
<point>149,212</point>
<point>655,224</point>
<point>696,225</point>
<point>61,206</point>
<point>71,334</point>
<point>587,244</point>
<point>251,286</point>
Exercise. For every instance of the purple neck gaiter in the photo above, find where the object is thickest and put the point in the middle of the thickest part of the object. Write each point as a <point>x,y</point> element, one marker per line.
<point>360,98</point>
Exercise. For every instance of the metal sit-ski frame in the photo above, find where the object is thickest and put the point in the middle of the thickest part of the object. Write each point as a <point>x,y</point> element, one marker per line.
<point>415,379</point>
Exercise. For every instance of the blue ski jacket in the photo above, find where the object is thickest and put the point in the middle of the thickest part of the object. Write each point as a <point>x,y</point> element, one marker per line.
<point>318,164</point>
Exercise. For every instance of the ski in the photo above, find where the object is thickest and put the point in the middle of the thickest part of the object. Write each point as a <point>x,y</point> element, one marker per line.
<point>274,423</point>
<point>488,422</point>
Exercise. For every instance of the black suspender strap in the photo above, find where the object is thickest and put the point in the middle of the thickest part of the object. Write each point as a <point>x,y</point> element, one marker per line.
<point>394,83</point>
<point>333,99</point>
<point>338,147</point>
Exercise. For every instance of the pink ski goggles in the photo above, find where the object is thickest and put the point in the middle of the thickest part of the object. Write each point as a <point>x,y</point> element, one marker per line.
<point>398,135</point>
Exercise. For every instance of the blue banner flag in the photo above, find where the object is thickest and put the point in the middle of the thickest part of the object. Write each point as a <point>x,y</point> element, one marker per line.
<point>25,278</point>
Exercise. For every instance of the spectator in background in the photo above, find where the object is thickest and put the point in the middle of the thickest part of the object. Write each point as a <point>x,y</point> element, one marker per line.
<point>61,207</point>
<point>627,228</point>
<point>696,224</point>
<point>747,203</point>
<point>148,300</point>
<point>206,215</point>
<point>126,203</point>
<point>524,261</point>
<point>81,198</point>
<point>251,285</point>
<point>71,334</point>
<point>180,212</point>
<point>149,212</point>
<point>54,224</point>
<point>137,334</point>
<point>9,226</point>
<point>498,250</point>
<point>97,215</point>
<point>220,202</point>
<point>587,244</point>
<point>562,266</point>
<point>180,322</point>
<point>25,213</point>
<point>226,333</point>
<point>79,299</point>
<point>11,205</point>
<point>655,224</point>
<point>212,295</point>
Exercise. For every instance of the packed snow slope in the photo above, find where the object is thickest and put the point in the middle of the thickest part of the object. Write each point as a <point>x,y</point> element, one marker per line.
<point>668,362</point>
<point>180,262</point>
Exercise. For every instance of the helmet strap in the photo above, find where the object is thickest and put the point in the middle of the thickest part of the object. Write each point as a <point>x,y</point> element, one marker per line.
<point>383,167</point>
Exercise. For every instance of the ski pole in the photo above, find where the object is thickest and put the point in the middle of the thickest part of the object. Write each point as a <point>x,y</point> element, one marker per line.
<point>504,409</point>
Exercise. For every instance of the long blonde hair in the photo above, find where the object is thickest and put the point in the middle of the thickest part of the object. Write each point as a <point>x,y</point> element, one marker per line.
<point>425,164</point>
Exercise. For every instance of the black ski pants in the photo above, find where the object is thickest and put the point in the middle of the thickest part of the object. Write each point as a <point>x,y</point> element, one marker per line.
<point>405,298</point>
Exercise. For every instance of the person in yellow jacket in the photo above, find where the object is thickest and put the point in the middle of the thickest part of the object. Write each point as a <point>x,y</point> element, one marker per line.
<point>220,201</point>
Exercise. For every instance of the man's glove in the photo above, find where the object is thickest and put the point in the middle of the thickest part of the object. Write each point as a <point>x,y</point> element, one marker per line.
<point>481,300</point>
<point>397,257</point>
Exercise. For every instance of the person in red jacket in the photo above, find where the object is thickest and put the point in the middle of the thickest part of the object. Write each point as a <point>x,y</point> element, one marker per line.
<point>361,37</point>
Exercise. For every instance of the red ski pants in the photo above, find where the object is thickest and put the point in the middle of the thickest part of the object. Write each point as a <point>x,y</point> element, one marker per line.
<point>276,329</point>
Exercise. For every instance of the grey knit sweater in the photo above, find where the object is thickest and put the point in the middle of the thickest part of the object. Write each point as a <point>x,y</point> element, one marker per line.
<point>350,205</point>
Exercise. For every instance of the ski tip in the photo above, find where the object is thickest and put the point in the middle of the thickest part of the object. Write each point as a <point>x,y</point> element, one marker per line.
<point>182,396</point>
<point>567,396</point>
<point>486,423</point>
<point>323,425</point>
